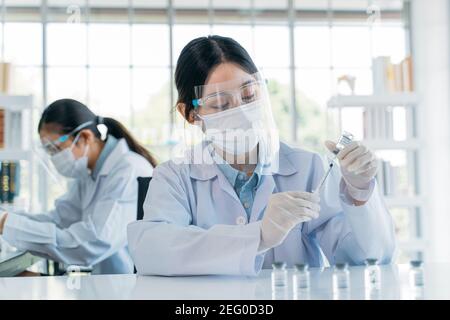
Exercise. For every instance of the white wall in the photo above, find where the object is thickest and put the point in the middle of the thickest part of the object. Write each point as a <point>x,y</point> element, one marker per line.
<point>430,45</point>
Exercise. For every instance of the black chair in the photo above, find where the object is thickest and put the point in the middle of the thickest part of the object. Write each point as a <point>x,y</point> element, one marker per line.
<point>143,183</point>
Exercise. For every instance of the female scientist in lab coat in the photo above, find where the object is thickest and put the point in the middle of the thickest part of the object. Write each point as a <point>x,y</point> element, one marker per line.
<point>88,225</point>
<point>220,215</point>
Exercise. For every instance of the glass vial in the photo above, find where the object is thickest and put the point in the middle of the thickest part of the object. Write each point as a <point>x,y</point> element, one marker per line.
<point>301,277</point>
<point>341,276</point>
<point>345,139</point>
<point>372,274</point>
<point>279,275</point>
<point>416,273</point>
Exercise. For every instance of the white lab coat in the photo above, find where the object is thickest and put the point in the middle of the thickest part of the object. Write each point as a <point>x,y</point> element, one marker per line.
<point>195,224</point>
<point>88,224</point>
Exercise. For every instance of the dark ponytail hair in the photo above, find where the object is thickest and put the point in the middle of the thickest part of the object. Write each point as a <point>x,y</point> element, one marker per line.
<point>199,57</point>
<point>116,129</point>
<point>65,115</point>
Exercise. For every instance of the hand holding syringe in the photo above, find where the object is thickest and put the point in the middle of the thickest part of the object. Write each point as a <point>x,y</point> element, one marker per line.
<point>345,139</point>
<point>287,209</point>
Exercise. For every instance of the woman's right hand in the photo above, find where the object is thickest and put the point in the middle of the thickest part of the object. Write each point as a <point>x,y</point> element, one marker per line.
<point>3,216</point>
<point>284,211</point>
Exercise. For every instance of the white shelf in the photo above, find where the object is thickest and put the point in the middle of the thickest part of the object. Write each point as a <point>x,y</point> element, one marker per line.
<point>14,150</point>
<point>396,99</point>
<point>370,103</point>
<point>15,155</point>
<point>15,103</point>
<point>410,144</point>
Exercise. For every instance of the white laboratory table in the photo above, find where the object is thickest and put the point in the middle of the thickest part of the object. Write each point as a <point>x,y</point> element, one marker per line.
<point>394,285</point>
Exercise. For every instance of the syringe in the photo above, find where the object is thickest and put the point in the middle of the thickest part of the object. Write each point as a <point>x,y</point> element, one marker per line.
<point>345,139</point>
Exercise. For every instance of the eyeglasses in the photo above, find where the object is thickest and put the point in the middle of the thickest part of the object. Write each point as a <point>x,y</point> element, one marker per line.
<point>52,147</point>
<point>219,101</point>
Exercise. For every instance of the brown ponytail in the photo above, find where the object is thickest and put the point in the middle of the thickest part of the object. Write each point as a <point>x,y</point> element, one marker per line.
<point>117,130</point>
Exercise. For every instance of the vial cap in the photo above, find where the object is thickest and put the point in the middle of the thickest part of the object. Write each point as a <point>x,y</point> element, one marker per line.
<point>341,265</point>
<point>279,265</point>
<point>301,267</point>
<point>371,262</point>
<point>416,263</point>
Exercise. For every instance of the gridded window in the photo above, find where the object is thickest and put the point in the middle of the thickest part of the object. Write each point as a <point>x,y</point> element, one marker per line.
<point>150,45</point>
<point>67,44</point>
<point>67,82</point>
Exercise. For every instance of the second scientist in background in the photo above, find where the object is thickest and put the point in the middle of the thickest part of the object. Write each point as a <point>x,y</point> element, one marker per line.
<point>88,225</point>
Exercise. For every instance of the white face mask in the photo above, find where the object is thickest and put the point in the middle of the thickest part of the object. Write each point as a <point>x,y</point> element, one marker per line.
<point>66,164</point>
<point>235,131</point>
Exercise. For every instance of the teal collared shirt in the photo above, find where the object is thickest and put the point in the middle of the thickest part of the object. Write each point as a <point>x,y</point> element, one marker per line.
<point>244,186</point>
<point>110,144</point>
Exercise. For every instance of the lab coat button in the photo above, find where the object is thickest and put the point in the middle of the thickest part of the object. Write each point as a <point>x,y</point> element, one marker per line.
<point>241,220</point>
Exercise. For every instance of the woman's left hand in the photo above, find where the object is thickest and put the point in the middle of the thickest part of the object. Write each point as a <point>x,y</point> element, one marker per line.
<point>358,164</point>
<point>3,216</point>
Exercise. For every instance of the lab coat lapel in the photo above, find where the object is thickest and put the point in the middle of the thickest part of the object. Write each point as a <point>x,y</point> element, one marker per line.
<point>88,190</point>
<point>209,170</point>
<point>268,185</point>
<point>262,196</point>
<point>228,188</point>
<point>90,185</point>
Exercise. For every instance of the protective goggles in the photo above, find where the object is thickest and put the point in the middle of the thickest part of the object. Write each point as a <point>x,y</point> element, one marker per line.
<point>218,97</point>
<point>52,147</point>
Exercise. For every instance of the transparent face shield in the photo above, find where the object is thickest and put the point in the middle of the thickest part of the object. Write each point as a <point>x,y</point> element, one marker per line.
<point>44,163</point>
<point>236,122</point>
